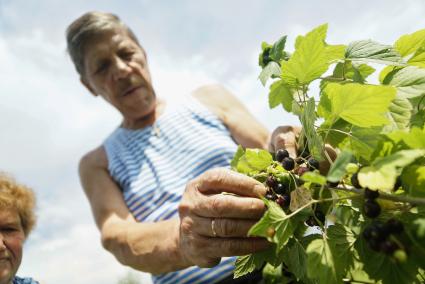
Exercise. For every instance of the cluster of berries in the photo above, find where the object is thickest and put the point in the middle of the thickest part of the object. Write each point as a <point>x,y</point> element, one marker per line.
<point>381,237</point>
<point>280,192</point>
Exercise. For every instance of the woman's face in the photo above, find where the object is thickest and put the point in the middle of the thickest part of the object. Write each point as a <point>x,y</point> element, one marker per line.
<point>116,69</point>
<point>12,238</point>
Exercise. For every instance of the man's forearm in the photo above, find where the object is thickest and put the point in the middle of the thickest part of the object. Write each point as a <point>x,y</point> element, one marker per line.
<point>149,247</point>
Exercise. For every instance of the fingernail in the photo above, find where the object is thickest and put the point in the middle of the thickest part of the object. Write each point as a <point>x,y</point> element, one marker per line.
<point>260,189</point>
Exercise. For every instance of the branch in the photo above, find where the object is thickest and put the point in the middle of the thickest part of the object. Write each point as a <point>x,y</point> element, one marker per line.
<point>386,196</point>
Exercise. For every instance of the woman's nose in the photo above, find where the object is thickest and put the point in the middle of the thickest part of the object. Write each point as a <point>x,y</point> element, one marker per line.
<point>121,68</point>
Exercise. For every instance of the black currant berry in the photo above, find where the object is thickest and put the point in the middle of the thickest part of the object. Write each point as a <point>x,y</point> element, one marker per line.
<point>388,247</point>
<point>371,194</point>
<point>371,208</point>
<point>271,182</point>
<point>288,164</point>
<point>284,200</point>
<point>302,170</point>
<point>281,188</point>
<point>266,56</point>
<point>374,245</point>
<point>313,164</point>
<point>281,154</point>
<point>376,231</point>
<point>271,196</point>
<point>355,181</point>
<point>367,233</point>
<point>394,226</point>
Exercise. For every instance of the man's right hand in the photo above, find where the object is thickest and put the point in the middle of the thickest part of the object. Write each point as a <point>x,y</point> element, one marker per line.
<point>216,212</point>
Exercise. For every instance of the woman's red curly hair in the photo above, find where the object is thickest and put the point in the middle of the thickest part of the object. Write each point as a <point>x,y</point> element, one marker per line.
<point>20,198</point>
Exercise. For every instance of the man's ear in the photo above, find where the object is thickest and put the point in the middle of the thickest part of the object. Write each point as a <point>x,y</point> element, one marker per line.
<point>87,85</point>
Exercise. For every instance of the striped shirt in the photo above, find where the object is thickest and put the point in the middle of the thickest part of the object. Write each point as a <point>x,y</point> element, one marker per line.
<point>152,166</point>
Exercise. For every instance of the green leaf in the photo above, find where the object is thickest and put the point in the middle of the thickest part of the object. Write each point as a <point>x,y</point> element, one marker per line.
<point>329,258</point>
<point>309,61</point>
<point>418,119</point>
<point>321,31</point>
<point>254,161</point>
<point>418,59</point>
<point>362,142</point>
<point>280,94</point>
<point>399,114</point>
<point>239,153</point>
<point>382,174</point>
<point>370,51</point>
<point>271,69</point>
<point>308,117</point>
<point>337,170</point>
<point>413,180</point>
<point>381,267</point>
<point>248,263</point>
<point>276,218</point>
<point>299,197</point>
<point>335,52</point>
<point>361,105</point>
<point>408,44</point>
<point>415,139</point>
<point>357,73</point>
<point>277,49</point>
<point>271,274</point>
<point>314,177</point>
<point>324,108</point>
<point>296,260</point>
<point>409,81</point>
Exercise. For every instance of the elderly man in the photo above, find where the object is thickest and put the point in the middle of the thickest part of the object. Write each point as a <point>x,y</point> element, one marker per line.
<point>155,184</point>
<point>17,219</point>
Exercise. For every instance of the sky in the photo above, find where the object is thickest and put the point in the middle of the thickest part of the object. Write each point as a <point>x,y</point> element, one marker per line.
<point>48,120</point>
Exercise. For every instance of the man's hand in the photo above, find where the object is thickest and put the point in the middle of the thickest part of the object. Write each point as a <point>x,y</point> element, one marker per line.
<point>217,210</point>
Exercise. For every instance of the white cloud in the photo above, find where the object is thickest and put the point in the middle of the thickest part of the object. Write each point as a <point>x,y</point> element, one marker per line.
<point>48,120</point>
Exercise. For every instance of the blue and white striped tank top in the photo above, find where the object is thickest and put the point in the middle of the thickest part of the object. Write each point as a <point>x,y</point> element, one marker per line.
<point>153,165</point>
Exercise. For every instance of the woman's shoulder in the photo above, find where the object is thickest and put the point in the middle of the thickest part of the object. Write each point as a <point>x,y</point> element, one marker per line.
<point>26,280</point>
<point>95,158</point>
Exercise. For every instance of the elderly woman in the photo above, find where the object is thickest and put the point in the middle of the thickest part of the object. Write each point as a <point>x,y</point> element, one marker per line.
<point>155,184</point>
<point>17,219</point>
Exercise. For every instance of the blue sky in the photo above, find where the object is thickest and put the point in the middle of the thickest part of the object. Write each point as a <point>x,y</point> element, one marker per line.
<point>49,121</point>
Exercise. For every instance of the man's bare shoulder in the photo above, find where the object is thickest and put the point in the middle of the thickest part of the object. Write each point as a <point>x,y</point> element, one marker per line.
<point>94,159</point>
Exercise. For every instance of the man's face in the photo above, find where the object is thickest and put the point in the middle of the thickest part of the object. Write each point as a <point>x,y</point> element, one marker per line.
<point>116,69</point>
<point>12,238</point>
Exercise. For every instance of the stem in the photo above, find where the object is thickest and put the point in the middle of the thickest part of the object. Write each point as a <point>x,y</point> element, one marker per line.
<point>420,101</point>
<point>386,196</point>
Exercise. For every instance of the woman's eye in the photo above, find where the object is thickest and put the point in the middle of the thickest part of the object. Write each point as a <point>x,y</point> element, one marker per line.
<point>126,55</point>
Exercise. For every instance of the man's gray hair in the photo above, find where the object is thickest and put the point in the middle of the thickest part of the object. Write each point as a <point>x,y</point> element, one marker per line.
<point>85,28</point>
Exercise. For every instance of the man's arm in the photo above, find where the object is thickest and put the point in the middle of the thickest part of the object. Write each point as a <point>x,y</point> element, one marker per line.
<point>178,243</point>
